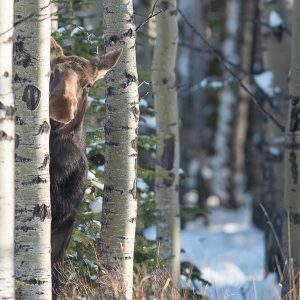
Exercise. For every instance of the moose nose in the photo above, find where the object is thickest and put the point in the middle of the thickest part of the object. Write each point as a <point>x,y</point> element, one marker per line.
<point>62,109</point>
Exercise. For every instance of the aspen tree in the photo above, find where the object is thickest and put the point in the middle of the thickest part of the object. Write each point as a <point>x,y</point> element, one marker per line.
<point>240,123</point>
<point>167,148</point>
<point>276,57</point>
<point>226,111</point>
<point>121,136</point>
<point>33,213</point>
<point>7,149</point>
<point>292,154</point>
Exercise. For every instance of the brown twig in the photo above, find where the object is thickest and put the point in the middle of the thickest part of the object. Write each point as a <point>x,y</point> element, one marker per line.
<point>152,15</point>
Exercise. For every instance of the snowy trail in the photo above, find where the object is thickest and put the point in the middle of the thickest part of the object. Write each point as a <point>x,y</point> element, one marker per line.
<point>230,254</point>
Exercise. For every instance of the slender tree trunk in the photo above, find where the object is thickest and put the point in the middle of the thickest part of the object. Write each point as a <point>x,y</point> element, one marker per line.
<point>228,103</point>
<point>292,156</point>
<point>54,16</point>
<point>150,32</point>
<point>167,151</point>
<point>276,55</point>
<point>121,136</point>
<point>33,213</point>
<point>7,149</point>
<point>247,40</point>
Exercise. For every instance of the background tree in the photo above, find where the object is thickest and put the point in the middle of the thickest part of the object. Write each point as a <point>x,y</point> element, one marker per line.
<point>33,212</point>
<point>275,43</point>
<point>7,149</point>
<point>121,136</point>
<point>167,148</point>
<point>222,162</point>
<point>292,161</point>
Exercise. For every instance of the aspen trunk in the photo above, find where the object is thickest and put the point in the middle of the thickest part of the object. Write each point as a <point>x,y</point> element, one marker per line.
<point>54,16</point>
<point>226,112</point>
<point>276,56</point>
<point>292,154</point>
<point>7,149</point>
<point>247,40</point>
<point>150,33</point>
<point>167,151</point>
<point>33,213</point>
<point>121,136</point>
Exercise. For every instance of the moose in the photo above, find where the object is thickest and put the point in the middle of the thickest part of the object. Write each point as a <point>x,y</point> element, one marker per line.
<point>70,80</point>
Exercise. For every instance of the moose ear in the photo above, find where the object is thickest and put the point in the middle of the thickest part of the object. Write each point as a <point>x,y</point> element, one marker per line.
<point>56,50</point>
<point>106,62</point>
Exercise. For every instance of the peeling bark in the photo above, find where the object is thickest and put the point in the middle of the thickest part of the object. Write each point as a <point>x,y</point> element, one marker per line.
<point>33,213</point>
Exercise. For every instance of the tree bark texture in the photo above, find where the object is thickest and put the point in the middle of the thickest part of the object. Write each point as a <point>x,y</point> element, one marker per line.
<point>167,151</point>
<point>33,212</point>
<point>121,138</point>
<point>7,149</point>
<point>276,57</point>
<point>292,154</point>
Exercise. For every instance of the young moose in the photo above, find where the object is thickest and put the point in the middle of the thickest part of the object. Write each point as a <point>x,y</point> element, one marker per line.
<point>71,78</point>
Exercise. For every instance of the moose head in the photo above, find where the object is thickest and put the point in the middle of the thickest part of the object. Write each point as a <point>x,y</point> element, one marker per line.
<point>71,78</point>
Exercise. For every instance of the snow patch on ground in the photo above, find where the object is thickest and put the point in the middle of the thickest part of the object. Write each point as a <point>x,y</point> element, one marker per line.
<point>230,254</point>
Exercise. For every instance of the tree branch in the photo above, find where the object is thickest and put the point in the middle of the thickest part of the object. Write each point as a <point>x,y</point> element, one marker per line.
<point>215,53</point>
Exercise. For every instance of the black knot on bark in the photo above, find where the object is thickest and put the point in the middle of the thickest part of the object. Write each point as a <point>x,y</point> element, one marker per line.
<point>31,96</point>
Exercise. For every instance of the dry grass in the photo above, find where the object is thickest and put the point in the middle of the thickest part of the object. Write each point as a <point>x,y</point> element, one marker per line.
<point>156,285</point>
<point>289,280</point>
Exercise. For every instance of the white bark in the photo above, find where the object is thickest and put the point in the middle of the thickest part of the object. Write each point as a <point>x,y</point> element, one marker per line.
<point>228,103</point>
<point>121,129</point>
<point>54,16</point>
<point>292,151</point>
<point>7,149</point>
<point>33,213</point>
<point>167,151</point>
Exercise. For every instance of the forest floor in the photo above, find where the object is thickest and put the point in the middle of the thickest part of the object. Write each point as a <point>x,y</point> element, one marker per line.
<point>230,254</point>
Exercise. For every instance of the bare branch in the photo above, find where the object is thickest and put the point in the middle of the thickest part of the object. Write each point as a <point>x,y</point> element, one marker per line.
<point>152,15</point>
<point>215,53</point>
<point>33,14</point>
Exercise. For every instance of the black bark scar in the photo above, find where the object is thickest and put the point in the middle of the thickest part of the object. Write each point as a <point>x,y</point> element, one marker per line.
<point>31,96</point>
<point>167,158</point>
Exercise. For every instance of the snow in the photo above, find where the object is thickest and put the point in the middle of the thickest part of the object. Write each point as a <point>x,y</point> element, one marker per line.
<point>275,152</point>
<point>76,30</point>
<point>265,81</point>
<point>211,83</point>
<point>142,185</point>
<point>96,206</point>
<point>143,103</point>
<point>97,184</point>
<point>150,121</point>
<point>60,30</point>
<point>275,19</point>
<point>91,175</point>
<point>230,254</point>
